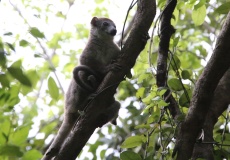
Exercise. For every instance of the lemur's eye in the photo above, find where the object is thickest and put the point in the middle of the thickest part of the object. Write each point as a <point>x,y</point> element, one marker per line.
<point>105,23</point>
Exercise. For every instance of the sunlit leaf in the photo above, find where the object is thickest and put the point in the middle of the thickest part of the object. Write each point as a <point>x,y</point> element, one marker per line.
<point>36,32</point>
<point>10,46</point>
<point>142,77</point>
<point>102,154</point>
<point>198,15</point>
<point>145,126</point>
<point>162,90</point>
<point>17,64</point>
<point>192,1</point>
<point>175,17</point>
<point>23,43</point>
<point>8,34</point>
<point>33,77</point>
<point>19,75</point>
<point>129,155</point>
<point>200,4</point>
<point>5,126</point>
<point>133,141</point>
<point>20,135</point>
<point>32,155</point>
<point>140,92</point>
<point>162,103</point>
<point>149,98</point>
<point>53,89</point>
<point>60,14</point>
<point>146,109</point>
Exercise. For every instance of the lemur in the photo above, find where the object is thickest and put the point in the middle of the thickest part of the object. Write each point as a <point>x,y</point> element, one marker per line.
<point>95,62</point>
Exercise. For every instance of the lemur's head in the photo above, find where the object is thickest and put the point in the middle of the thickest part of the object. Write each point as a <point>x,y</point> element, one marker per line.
<point>103,28</point>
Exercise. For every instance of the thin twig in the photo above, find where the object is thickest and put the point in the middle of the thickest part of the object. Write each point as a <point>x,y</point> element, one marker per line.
<point>126,17</point>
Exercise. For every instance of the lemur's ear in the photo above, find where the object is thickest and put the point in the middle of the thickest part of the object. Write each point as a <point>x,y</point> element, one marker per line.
<point>94,21</point>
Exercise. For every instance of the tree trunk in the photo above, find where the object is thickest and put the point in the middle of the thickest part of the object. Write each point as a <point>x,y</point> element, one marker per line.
<point>203,93</point>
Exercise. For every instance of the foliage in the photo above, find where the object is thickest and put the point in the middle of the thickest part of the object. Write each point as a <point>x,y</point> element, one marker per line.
<point>36,62</point>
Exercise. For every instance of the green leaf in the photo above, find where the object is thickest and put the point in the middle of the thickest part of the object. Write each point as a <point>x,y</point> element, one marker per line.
<point>5,127</point>
<point>102,153</point>
<point>53,89</point>
<point>2,59</point>
<point>36,32</point>
<point>17,64</point>
<point>147,100</point>
<point>129,155</point>
<point>32,155</point>
<point>198,15</point>
<point>141,126</point>
<point>33,77</point>
<point>162,103</point>
<point>19,75</point>
<point>10,151</point>
<point>200,4</point>
<point>224,8</point>
<point>175,41</point>
<point>10,46</point>
<point>175,63</point>
<point>146,109</point>
<point>185,74</point>
<point>162,90</point>
<point>175,17</point>
<point>175,84</point>
<point>192,2</point>
<point>23,43</point>
<point>8,34</point>
<point>3,139</point>
<point>133,141</point>
<point>20,135</point>
<point>1,47</point>
<point>184,100</point>
<point>142,77</point>
<point>140,92</point>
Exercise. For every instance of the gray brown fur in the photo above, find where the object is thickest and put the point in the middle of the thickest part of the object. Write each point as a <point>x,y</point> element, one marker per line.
<point>98,54</point>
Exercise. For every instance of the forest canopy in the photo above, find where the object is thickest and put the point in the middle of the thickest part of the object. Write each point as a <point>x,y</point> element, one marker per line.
<point>176,104</point>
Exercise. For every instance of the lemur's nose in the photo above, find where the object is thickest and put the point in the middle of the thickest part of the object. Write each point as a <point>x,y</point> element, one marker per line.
<point>113,32</point>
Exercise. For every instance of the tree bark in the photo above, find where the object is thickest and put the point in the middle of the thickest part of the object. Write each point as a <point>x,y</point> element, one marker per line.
<point>203,93</point>
<point>166,31</point>
<point>92,117</point>
<point>220,102</point>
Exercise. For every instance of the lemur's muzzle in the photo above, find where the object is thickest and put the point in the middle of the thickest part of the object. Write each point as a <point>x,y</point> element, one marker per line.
<point>113,32</point>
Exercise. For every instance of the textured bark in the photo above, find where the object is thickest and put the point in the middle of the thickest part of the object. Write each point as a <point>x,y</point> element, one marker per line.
<point>203,93</point>
<point>93,115</point>
<point>166,31</point>
<point>220,102</point>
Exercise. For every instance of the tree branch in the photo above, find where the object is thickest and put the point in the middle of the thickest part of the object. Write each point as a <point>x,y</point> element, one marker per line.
<point>220,102</point>
<point>203,93</point>
<point>166,31</point>
<point>93,115</point>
